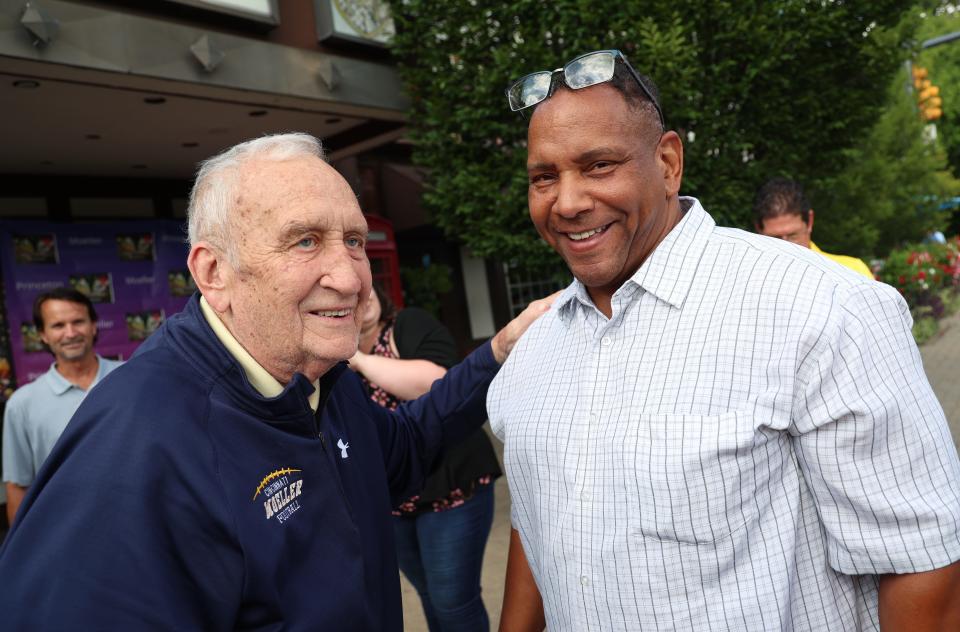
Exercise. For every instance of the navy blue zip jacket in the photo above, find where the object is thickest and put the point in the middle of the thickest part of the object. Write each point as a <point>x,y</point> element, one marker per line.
<point>179,498</point>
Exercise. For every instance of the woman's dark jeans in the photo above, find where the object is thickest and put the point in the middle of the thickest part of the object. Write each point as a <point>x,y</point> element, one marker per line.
<point>442,555</point>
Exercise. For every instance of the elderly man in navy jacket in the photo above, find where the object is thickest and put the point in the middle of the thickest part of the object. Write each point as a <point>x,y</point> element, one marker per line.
<point>233,475</point>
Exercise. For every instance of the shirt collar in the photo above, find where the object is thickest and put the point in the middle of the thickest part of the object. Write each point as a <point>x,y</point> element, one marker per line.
<point>575,290</point>
<point>669,270</point>
<point>814,248</point>
<point>60,385</point>
<point>259,377</point>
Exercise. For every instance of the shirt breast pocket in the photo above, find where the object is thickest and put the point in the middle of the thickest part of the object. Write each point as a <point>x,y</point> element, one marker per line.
<point>695,476</point>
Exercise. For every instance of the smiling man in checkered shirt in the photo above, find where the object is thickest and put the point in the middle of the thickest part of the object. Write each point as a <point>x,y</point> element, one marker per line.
<point>710,430</point>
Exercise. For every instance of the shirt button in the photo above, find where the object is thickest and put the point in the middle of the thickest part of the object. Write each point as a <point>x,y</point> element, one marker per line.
<point>585,580</point>
<point>606,341</point>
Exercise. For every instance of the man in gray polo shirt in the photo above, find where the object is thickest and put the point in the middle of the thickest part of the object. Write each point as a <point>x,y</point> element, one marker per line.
<point>38,412</point>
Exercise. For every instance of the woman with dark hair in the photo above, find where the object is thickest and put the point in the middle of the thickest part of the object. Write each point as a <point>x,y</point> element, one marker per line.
<point>441,533</point>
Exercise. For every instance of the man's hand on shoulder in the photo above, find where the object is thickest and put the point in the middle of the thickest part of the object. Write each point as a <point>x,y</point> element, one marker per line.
<point>507,337</point>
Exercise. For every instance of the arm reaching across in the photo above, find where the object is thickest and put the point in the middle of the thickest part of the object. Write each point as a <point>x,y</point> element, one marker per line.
<point>455,407</point>
<point>406,379</point>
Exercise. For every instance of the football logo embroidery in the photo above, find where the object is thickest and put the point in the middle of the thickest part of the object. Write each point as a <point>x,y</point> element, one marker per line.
<point>280,493</point>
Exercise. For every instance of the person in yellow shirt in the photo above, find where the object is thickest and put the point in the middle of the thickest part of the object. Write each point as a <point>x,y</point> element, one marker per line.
<point>781,210</point>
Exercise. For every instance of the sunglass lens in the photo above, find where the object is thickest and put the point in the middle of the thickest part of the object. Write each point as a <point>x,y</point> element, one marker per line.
<point>530,90</point>
<point>589,70</point>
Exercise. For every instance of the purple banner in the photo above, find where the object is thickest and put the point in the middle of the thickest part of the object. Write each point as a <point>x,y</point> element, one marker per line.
<point>134,272</point>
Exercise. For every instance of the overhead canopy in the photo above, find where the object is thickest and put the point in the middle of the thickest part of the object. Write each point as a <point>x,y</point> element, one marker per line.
<point>118,94</point>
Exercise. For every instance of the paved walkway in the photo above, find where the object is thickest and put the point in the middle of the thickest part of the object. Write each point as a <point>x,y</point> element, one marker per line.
<point>941,359</point>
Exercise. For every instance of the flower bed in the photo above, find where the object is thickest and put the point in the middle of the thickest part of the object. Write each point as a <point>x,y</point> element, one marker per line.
<point>928,276</point>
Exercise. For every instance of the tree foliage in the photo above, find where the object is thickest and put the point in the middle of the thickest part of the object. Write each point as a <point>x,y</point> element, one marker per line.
<point>943,63</point>
<point>891,188</point>
<point>756,89</point>
<point>896,177</point>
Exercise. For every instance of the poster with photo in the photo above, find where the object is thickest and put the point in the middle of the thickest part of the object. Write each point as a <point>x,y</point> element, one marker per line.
<point>97,287</point>
<point>35,248</point>
<point>133,247</point>
<point>30,337</point>
<point>181,283</point>
<point>141,324</point>
<point>7,380</point>
<point>133,271</point>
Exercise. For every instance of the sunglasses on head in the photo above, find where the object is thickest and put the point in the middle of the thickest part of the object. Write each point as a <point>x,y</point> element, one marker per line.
<point>582,72</point>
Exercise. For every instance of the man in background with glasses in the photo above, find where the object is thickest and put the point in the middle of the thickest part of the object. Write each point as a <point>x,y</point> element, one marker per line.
<point>781,210</point>
<point>709,430</point>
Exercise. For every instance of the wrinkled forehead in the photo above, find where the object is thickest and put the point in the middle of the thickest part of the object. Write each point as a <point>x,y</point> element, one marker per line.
<point>305,190</point>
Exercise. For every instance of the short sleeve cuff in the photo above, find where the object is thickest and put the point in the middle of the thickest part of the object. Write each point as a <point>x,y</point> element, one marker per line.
<point>924,550</point>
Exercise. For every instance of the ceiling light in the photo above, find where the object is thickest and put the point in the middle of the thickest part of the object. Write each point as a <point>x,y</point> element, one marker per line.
<point>328,74</point>
<point>42,27</point>
<point>207,53</point>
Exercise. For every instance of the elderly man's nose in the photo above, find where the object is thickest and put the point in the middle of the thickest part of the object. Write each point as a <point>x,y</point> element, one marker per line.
<point>341,274</point>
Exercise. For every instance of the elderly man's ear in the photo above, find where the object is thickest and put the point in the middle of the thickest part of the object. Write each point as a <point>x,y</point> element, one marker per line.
<point>210,272</point>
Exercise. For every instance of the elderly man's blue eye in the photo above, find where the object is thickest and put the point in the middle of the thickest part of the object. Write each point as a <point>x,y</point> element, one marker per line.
<point>307,242</point>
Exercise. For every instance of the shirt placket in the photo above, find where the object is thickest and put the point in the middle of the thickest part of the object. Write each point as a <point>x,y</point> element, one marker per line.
<point>588,491</point>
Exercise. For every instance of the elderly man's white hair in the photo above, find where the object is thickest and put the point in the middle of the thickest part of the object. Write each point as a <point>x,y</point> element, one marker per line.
<point>214,192</point>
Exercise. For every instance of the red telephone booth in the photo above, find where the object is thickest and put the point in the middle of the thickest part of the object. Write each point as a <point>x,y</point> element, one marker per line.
<point>384,262</point>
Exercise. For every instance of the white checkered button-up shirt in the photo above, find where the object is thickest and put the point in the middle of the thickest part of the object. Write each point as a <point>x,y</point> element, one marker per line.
<point>744,445</point>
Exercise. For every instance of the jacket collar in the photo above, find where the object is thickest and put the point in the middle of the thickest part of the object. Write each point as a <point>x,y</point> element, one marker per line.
<point>259,377</point>
<point>189,336</point>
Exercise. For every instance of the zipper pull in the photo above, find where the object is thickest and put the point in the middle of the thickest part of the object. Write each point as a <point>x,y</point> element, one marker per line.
<point>323,442</point>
